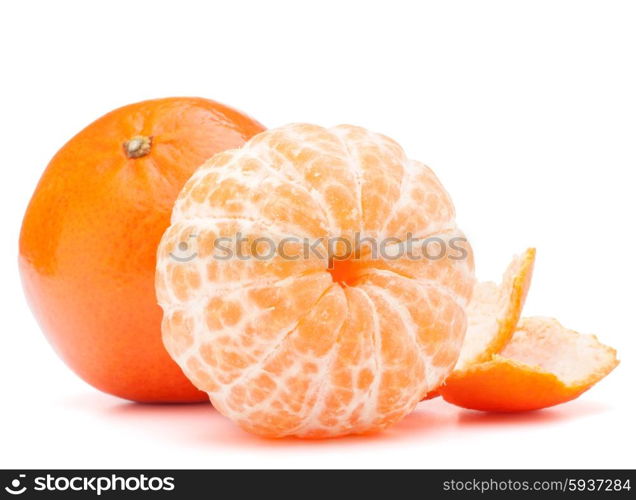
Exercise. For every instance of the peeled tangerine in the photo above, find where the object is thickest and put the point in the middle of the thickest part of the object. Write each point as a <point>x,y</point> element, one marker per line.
<point>303,344</point>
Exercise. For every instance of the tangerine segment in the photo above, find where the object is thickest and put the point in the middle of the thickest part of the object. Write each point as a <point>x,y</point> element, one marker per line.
<point>227,254</point>
<point>444,258</point>
<point>238,184</point>
<point>299,347</point>
<point>544,364</point>
<point>434,319</point>
<point>435,212</point>
<point>312,181</point>
<point>494,311</point>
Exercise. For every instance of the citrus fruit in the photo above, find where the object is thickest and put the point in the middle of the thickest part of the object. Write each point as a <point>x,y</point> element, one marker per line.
<point>544,364</point>
<point>90,233</point>
<point>314,343</point>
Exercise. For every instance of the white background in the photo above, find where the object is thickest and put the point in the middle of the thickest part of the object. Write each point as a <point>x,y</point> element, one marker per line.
<point>526,111</point>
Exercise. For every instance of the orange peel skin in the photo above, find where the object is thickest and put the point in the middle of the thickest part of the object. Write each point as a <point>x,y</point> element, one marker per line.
<point>544,365</point>
<point>493,314</point>
<point>494,311</point>
<point>432,395</point>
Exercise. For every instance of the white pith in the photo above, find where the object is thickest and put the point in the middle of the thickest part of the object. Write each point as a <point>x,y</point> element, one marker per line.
<point>489,307</point>
<point>573,357</point>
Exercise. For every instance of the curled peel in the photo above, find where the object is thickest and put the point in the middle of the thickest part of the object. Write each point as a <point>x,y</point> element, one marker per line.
<point>544,364</point>
<point>508,365</point>
<point>493,313</point>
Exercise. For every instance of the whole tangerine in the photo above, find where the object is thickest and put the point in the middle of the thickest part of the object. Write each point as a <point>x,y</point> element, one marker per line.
<point>90,233</point>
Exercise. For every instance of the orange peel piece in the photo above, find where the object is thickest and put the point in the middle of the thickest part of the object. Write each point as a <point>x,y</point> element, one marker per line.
<point>492,314</point>
<point>494,311</point>
<point>543,365</point>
